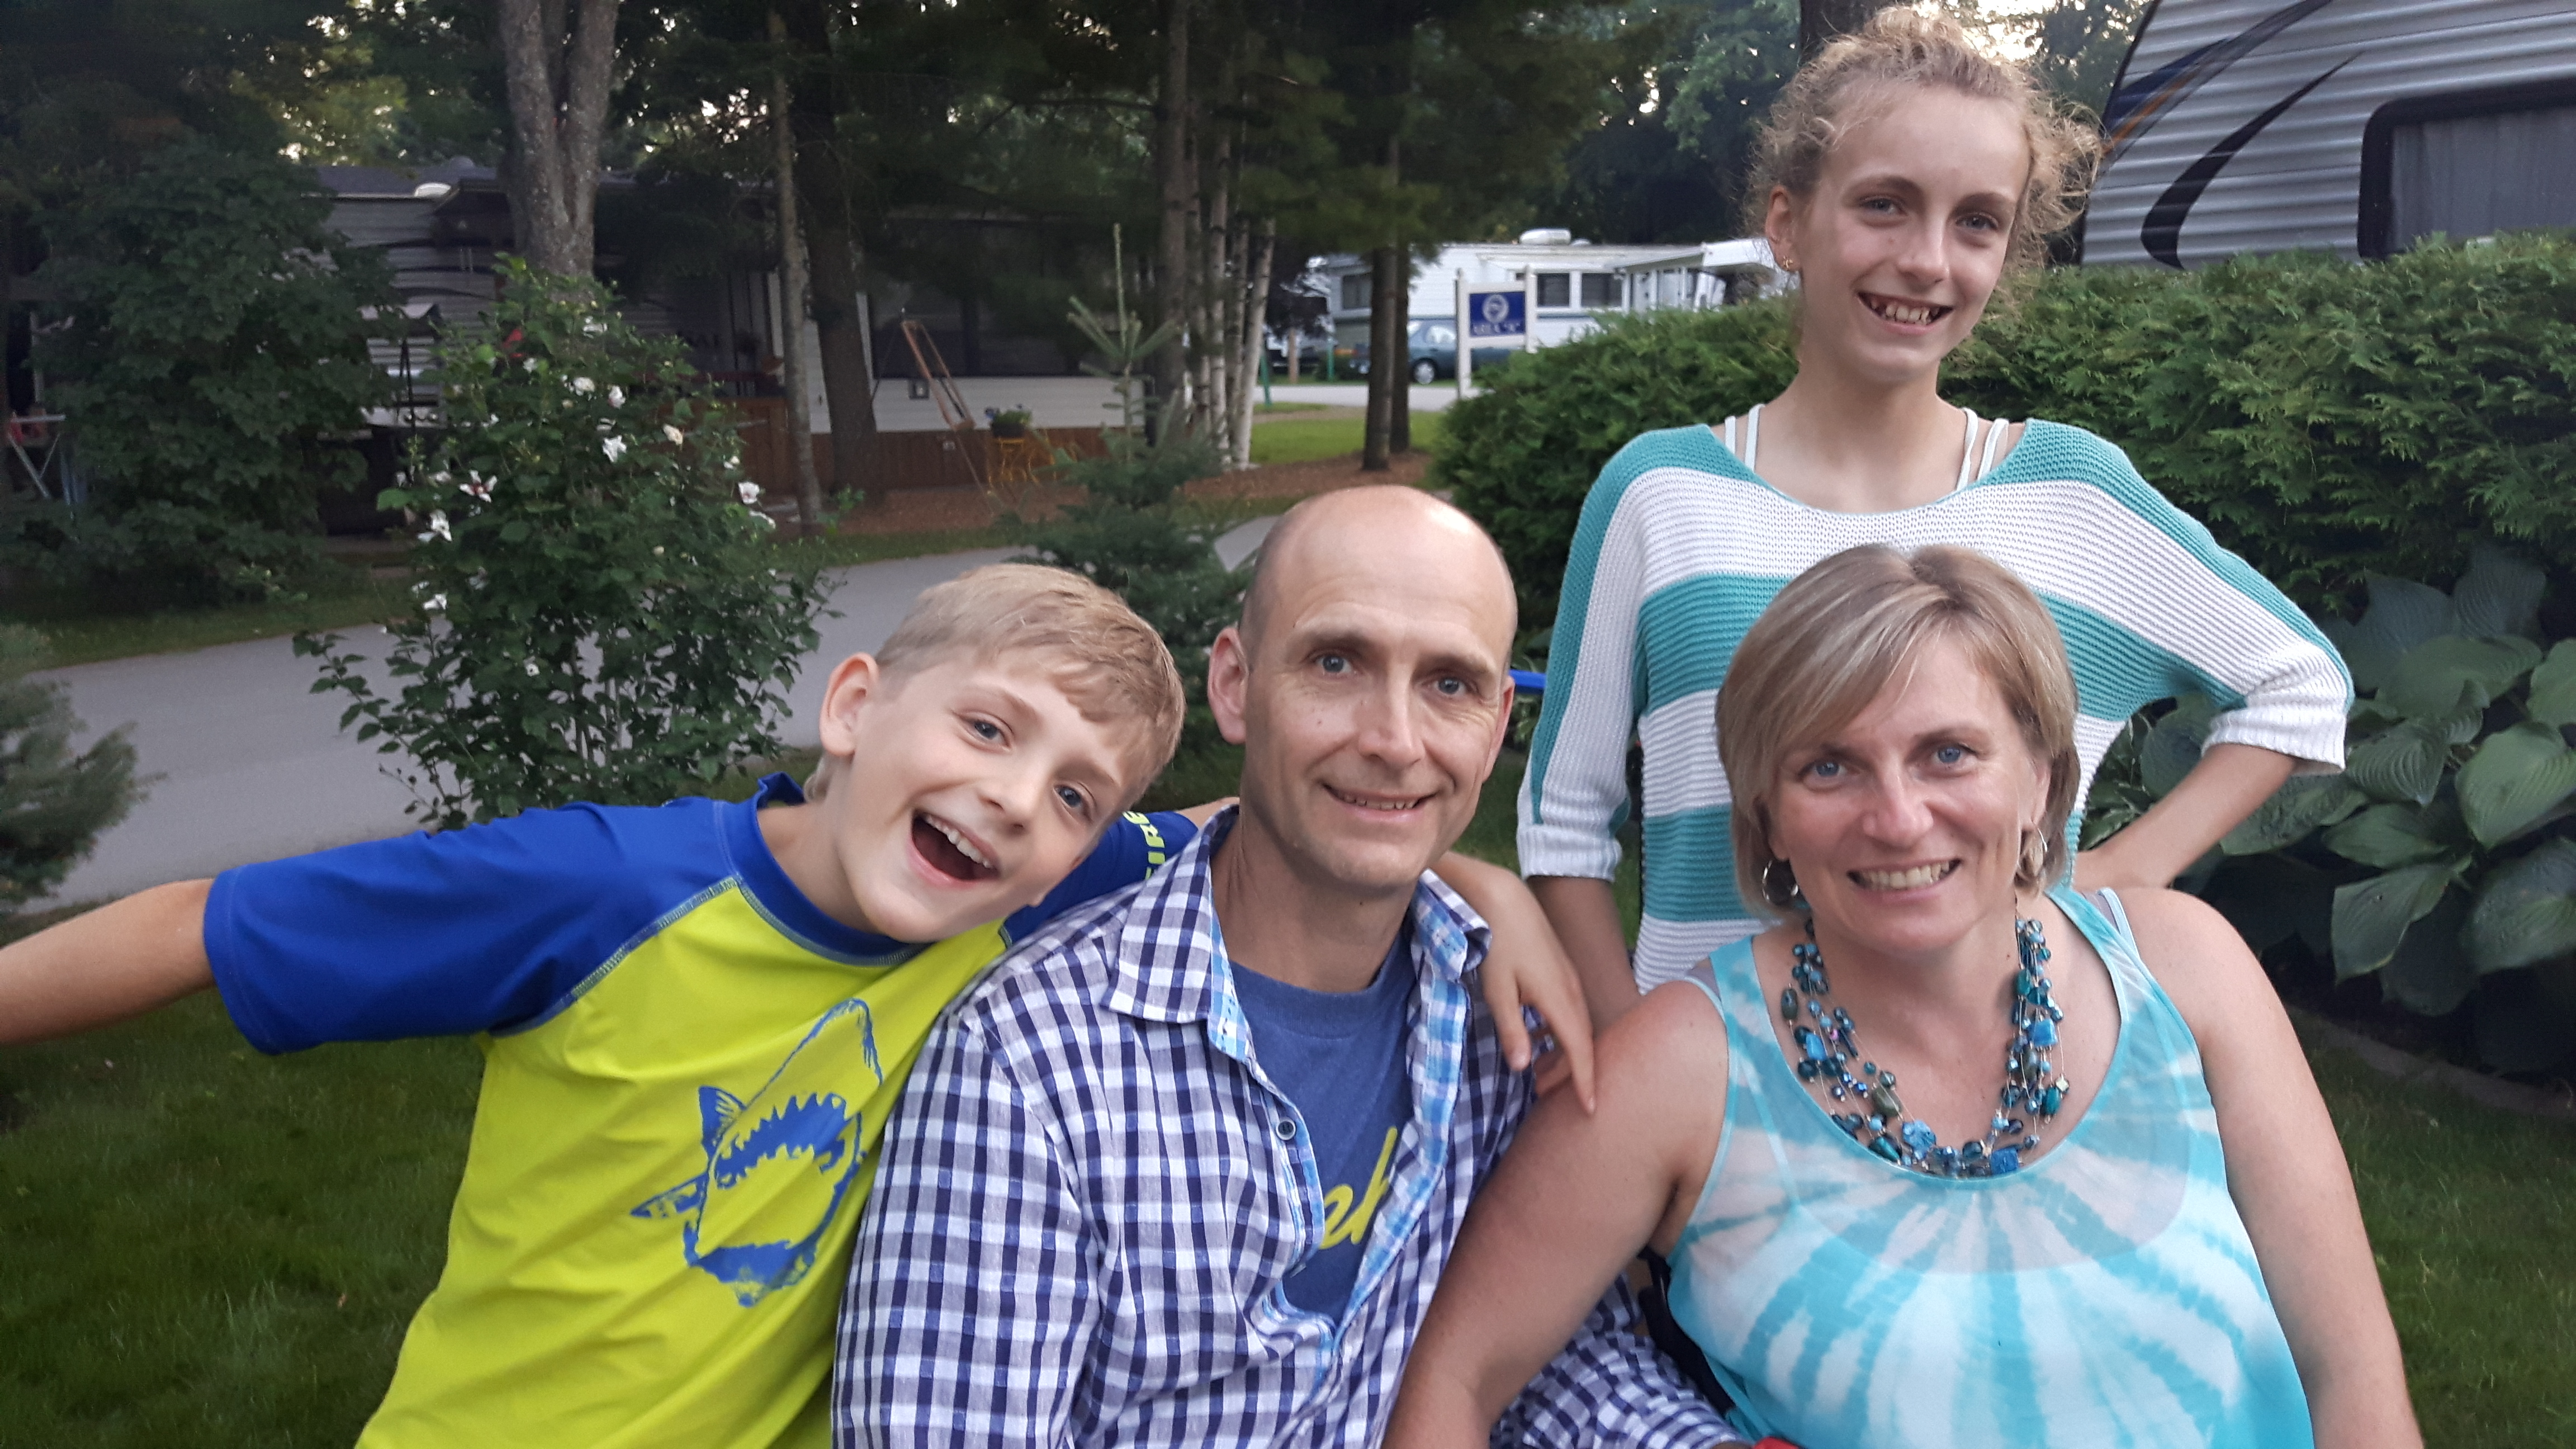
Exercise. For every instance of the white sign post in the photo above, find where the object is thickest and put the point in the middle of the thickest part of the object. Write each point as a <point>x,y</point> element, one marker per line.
<point>1494,312</point>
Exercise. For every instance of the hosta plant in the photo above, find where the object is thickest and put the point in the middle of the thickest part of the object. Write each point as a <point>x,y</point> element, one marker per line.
<point>2442,860</point>
<point>602,613</point>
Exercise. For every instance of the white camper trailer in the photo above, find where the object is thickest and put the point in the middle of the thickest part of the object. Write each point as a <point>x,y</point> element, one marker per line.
<point>2355,126</point>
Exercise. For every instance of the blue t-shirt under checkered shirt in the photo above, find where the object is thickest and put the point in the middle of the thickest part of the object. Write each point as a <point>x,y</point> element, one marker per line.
<point>1339,1056</point>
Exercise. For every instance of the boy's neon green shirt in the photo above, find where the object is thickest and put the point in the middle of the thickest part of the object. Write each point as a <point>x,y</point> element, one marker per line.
<point>687,1070</point>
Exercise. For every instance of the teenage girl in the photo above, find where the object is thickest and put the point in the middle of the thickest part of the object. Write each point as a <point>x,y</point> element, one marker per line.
<point>1902,176</point>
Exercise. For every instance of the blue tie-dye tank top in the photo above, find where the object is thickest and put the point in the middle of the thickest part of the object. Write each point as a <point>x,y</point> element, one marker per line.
<point>2104,1296</point>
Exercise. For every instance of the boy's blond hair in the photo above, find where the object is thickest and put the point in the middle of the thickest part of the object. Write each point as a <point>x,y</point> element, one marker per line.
<point>1089,644</point>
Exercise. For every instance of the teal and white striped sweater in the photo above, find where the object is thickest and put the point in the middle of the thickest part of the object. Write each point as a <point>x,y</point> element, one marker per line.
<point>1681,546</point>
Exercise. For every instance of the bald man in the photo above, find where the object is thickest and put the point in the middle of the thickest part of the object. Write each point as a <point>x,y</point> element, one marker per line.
<point>1184,1170</point>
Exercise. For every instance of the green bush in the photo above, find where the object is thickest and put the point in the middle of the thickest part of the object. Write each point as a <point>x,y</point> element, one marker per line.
<point>2328,421</point>
<point>1522,454</point>
<point>2442,861</point>
<point>54,802</point>
<point>603,616</point>
<point>214,337</point>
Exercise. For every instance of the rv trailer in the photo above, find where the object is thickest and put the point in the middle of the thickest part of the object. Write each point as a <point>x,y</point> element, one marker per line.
<point>2353,126</point>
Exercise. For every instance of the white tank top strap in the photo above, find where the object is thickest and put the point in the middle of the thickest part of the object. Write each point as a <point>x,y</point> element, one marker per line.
<point>1752,448</point>
<point>1994,446</point>
<point>1967,452</point>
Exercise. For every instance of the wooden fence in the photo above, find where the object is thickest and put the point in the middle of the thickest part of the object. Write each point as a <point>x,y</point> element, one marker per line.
<point>898,461</point>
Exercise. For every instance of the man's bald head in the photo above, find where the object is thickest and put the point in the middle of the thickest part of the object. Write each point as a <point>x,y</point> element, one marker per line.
<point>1430,533</point>
<point>1369,685</point>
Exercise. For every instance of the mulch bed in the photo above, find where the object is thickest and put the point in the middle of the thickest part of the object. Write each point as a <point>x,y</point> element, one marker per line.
<point>932,510</point>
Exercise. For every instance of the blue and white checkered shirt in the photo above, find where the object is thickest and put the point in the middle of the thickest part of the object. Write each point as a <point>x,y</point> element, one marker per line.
<point>1091,1195</point>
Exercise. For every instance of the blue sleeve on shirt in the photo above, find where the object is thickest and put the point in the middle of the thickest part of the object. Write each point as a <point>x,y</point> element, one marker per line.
<point>464,931</point>
<point>1132,848</point>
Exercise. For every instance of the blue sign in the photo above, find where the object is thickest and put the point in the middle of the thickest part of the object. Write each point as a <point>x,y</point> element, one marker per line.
<point>1498,314</point>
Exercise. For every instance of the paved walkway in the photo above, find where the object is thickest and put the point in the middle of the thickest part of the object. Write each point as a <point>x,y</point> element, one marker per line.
<point>251,765</point>
<point>1425,398</point>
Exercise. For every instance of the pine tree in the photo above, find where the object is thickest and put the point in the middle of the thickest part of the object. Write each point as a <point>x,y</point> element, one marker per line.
<point>54,803</point>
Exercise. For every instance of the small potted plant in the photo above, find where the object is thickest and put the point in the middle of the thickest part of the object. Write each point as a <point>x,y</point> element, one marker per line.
<point>1008,422</point>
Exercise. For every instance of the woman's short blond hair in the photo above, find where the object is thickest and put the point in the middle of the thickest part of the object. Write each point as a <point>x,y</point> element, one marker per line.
<point>1904,47</point>
<point>1078,636</point>
<point>1845,630</point>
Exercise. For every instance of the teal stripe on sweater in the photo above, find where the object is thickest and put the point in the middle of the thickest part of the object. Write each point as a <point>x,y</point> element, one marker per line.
<point>1700,621</point>
<point>1692,871</point>
<point>2118,673</point>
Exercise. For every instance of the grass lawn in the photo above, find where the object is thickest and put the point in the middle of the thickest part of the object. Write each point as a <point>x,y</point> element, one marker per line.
<point>1299,440</point>
<point>210,1247</point>
<point>81,636</point>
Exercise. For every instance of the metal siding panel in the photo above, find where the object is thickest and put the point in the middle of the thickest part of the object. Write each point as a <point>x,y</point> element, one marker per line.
<point>2298,183</point>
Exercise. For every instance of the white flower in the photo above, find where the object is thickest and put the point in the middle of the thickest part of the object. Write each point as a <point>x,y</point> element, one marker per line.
<point>617,397</point>
<point>532,669</point>
<point>583,384</point>
<point>674,434</point>
<point>528,363</point>
<point>748,492</point>
<point>477,486</point>
<point>615,448</point>
<point>594,327</point>
<point>657,550</point>
<point>764,520</point>
<point>438,529</point>
<point>442,477</point>
<point>435,603</point>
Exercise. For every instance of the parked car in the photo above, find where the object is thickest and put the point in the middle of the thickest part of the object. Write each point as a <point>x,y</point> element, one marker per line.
<point>1310,356</point>
<point>1435,353</point>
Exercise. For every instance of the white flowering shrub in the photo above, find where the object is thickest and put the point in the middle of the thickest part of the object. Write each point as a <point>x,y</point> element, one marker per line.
<point>603,615</point>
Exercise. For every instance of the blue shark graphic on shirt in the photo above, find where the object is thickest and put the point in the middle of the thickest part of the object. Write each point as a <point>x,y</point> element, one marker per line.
<point>778,1164</point>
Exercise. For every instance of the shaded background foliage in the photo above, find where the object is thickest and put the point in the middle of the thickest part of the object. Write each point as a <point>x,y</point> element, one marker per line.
<point>214,338</point>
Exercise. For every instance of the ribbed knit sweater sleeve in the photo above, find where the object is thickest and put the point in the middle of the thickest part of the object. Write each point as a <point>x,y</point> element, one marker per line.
<point>2280,685</point>
<point>1574,795</point>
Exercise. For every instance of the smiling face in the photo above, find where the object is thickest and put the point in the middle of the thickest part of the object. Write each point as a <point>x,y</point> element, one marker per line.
<point>1370,690</point>
<point>1906,233</point>
<point>1905,825</point>
<point>966,789</point>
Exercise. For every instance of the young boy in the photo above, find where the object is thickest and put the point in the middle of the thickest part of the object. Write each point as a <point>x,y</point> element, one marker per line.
<point>695,1019</point>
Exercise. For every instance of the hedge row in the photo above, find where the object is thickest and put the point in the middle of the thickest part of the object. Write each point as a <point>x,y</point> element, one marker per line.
<point>2328,421</point>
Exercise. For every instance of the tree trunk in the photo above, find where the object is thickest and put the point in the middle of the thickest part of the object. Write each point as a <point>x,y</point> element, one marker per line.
<point>829,218</point>
<point>1180,192</point>
<point>791,301</point>
<point>1820,21</point>
<point>1385,345</point>
<point>558,89</point>
<point>1256,298</point>
<point>1399,409</point>
<point>1212,319</point>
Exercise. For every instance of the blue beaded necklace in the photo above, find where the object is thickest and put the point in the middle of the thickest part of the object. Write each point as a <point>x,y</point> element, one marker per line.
<point>1826,1054</point>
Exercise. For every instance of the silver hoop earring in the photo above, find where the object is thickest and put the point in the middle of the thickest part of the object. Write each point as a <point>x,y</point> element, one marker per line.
<point>2034,857</point>
<point>1780,884</point>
